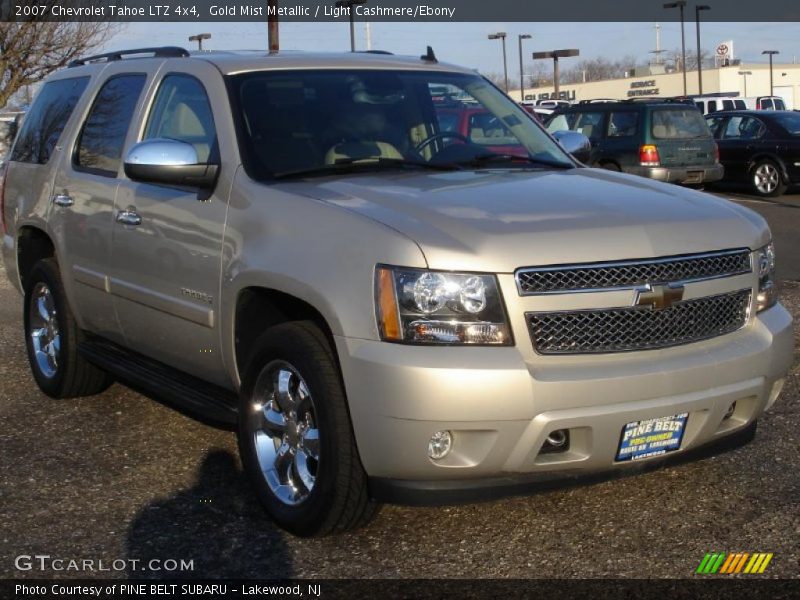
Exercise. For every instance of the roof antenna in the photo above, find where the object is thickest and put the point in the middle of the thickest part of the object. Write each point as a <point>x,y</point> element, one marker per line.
<point>429,56</point>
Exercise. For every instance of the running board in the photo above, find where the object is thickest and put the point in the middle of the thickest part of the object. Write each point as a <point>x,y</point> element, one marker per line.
<point>195,397</point>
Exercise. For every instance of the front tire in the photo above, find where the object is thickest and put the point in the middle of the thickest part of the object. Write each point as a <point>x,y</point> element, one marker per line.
<point>52,337</point>
<point>295,437</point>
<point>766,179</point>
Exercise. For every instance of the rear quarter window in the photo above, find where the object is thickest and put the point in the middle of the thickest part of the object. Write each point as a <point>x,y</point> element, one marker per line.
<point>44,123</point>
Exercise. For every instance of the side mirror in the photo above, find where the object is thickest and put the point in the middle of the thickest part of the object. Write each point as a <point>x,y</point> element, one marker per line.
<point>577,144</point>
<point>169,162</point>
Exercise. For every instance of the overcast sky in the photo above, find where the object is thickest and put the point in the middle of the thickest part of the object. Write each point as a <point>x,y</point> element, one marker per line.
<point>466,43</point>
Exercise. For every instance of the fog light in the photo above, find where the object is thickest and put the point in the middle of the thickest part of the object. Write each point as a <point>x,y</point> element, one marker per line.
<point>556,441</point>
<point>730,411</point>
<point>440,445</point>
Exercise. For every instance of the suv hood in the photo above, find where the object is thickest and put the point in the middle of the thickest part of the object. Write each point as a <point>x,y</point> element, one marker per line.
<point>498,221</point>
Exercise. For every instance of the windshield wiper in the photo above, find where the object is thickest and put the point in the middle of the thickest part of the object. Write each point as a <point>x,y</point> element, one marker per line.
<point>495,157</point>
<point>350,165</point>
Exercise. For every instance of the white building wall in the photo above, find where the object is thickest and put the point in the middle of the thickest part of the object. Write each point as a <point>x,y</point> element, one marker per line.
<point>723,80</point>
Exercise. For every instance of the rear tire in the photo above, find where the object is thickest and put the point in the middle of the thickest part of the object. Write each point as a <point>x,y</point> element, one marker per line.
<point>295,437</point>
<point>766,179</point>
<point>52,337</point>
<point>610,166</point>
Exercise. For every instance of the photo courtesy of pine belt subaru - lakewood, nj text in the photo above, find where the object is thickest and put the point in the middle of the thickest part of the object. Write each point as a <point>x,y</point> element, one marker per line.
<point>388,310</point>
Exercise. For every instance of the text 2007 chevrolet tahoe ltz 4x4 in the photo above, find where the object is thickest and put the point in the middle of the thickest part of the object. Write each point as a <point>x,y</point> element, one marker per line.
<point>390,311</point>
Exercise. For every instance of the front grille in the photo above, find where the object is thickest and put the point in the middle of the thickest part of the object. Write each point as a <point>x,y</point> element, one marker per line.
<point>597,276</point>
<point>638,328</point>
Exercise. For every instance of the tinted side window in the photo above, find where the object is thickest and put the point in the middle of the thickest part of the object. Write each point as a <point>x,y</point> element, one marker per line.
<point>744,128</point>
<point>103,134</point>
<point>623,124</point>
<point>714,125</point>
<point>588,123</point>
<point>766,104</point>
<point>182,112</point>
<point>712,106</point>
<point>43,125</point>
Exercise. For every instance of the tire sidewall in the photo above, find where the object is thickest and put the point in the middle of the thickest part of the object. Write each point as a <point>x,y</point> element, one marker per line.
<point>307,517</point>
<point>46,271</point>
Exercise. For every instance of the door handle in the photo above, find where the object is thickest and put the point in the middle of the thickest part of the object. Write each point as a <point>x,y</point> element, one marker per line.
<point>63,200</point>
<point>129,217</point>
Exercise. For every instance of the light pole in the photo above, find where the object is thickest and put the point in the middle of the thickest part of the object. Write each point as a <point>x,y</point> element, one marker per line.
<point>771,54</point>
<point>349,4</point>
<point>523,36</point>
<point>273,36</point>
<point>681,4</point>
<point>199,39</point>
<point>555,55</point>
<point>745,74</point>
<point>502,36</point>
<point>697,10</point>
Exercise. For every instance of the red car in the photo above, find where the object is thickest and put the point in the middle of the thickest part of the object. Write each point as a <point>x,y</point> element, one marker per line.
<point>479,126</point>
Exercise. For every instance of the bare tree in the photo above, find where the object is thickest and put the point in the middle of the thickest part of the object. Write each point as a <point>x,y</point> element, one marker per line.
<point>31,50</point>
<point>706,58</point>
<point>539,73</point>
<point>496,78</point>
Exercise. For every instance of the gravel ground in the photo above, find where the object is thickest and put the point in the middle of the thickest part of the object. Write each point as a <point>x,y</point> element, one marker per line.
<point>119,476</point>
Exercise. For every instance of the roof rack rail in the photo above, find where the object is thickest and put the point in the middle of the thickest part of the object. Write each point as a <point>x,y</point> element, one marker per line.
<point>160,52</point>
<point>658,100</point>
<point>376,52</point>
<point>598,101</point>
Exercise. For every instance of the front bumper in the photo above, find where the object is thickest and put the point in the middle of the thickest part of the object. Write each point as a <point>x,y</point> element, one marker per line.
<point>687,175</point>
<point>501,404</point>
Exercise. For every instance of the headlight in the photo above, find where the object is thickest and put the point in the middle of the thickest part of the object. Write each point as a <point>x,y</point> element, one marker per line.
<point>436,307</point>
<point>765,263</point>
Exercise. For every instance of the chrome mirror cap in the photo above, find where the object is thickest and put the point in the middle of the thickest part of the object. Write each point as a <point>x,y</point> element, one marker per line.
<point>162,152</point>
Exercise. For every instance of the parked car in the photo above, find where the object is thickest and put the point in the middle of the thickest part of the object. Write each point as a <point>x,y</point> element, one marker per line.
<point>384,309</point>
<point>712,104</point>
<point>473,123</point>
<point>761,148</point>
<point>659,139</point>
<point>553,103</point>
<point>763,103</point>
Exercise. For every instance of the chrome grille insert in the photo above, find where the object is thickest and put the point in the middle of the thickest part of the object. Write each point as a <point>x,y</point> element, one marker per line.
<point>638,328</point>
<point>632,273</point>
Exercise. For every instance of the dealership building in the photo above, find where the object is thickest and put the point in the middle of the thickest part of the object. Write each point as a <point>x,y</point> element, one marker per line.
<point>745,79</point>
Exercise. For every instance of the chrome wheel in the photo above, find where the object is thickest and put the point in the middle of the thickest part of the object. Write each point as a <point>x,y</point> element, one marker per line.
<point>766,178</point>
<point>43,330</point>
<point>285,432</point>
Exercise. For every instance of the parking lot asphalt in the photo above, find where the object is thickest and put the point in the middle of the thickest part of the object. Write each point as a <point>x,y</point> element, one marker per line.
<point>122,477</point>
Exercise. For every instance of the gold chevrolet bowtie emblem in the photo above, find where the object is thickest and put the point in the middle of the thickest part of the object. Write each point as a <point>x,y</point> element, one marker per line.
<point>659,296</point>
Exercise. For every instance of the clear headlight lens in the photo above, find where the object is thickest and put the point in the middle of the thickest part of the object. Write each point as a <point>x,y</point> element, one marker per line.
<point>435,307</point>
<point>765,263</point>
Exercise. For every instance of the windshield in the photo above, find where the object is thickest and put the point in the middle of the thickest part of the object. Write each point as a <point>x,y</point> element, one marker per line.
<point>305,120</point>
<point>672,123</point>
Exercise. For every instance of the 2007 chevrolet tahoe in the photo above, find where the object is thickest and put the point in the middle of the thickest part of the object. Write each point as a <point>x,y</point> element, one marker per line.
<point>387,310</point>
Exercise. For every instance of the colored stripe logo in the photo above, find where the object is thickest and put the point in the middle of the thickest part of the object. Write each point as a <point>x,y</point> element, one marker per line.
<point>734,563</point>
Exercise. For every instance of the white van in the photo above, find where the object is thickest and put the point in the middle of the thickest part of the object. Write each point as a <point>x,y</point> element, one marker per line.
<point>765,103</point>
<point>708,105</point>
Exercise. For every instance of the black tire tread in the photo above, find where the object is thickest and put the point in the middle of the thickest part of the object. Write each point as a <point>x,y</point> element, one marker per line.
<point>351,505</point>
<point>79,377</point>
